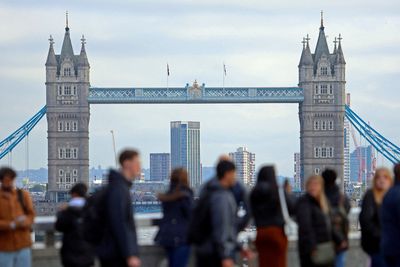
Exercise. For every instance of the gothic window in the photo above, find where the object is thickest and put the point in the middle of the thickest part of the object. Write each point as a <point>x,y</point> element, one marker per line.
<point>324,89</point>
<point>75,180</point>
<point>330,125</point>
<point>60,153</point>
<point>60,126</point>
<point>323,128</point>
<point>316,152</point>
<point>67,90</point>
<point>60,92</point>
<point>74,91</point>
<point>330,90</point>
<point>75,172</point>
<point>317,171</point>
<point>68,153</point>
<point>324,71</point>
<point>323,152</point>
<point>60,172</point>
<point>316,125</point>
<point>67,71</point>
<point>74,126</point>
<point>330,152</point>
<point>67,126</point>
<point>68,177</point>
<point>74,153</point>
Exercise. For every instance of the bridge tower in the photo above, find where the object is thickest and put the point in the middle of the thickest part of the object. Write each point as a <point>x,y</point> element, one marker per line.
<point>321,115</point>
<point>67,89</point>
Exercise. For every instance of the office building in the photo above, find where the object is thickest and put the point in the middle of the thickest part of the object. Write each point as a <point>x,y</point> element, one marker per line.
<point>245,165</point>
<point>160,166</point>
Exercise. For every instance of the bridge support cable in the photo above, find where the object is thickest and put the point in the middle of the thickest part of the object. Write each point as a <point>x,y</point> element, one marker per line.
<point>384,146</point>
<point>9,143</point>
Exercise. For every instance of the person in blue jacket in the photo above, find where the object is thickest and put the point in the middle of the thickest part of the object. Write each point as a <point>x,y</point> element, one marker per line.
<point>390,222</point>
<point>177,207</point>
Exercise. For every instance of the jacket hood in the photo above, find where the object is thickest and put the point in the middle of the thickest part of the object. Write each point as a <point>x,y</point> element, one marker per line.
<point>116,177</point>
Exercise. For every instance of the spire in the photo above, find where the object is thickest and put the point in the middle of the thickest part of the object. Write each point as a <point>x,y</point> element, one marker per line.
<point>322,46</point>
<point>306,57</point>
<point>66,50</point>
<point>83,60</point>
<point>335,48</point>
<point>339,52</point>
<point>51,57</point>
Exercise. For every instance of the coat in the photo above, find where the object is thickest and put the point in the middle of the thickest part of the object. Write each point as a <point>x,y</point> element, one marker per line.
<point>120,240</point>
<point>75,251</point>
<point>313,225</point>
<point>370,224</point>
<point>11,208</point>
<point>390,222</point>
<point>173,227</point>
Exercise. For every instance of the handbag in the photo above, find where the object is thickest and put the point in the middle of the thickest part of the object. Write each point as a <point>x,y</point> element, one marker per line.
<point>324,254</point>
<point>290,226</point>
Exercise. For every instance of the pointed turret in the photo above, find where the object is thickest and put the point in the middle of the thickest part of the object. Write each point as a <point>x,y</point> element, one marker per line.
<point>339,52</point>
<point>83,60</point>
<point>66,50</point>
<point>306,57</point>
<point>322,46</point>
<point>51,57</point>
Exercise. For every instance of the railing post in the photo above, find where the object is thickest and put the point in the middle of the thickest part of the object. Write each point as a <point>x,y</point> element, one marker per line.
<point>49,238</point>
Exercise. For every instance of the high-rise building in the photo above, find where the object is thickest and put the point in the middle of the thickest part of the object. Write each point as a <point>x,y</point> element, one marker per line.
<point>160,166</point>
<point>185,149</point>
<point>67,90</point>
<point>362,162</point>
<point>245,165</point>
<point>297,172</point>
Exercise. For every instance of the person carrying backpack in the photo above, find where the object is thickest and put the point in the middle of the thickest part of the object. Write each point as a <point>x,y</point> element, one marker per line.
<point>117,245</point>
<point>75,250</point>
<point>339,210</point>
<point>16,219</point>
<point>213,229</point>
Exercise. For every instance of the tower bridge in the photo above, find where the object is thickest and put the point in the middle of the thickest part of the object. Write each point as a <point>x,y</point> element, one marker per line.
<point>320,95</point>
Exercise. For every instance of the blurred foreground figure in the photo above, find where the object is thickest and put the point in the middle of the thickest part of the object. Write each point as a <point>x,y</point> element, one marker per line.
<point>339,209</point>
<point>109,223</point>
<point>370,216</point>
<point>315,244</point>
<point>75,251</point>
<point>177,209</point>
<point>16,219</point>
<point>271,241</point>
<point>390,218</point>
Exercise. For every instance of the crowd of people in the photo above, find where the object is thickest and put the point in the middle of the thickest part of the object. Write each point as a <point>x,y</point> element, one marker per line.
<point>102,226</point>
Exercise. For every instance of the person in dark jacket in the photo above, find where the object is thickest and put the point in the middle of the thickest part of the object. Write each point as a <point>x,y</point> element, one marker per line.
<point>177,207</point>
<point>220,246</point>
<point>119,247</point>
<point>312,213</point>
<point>271,241</point>
<point>390,219</point>
<point>370,216</point>
<point>75,251</point>
<point>340,208</point>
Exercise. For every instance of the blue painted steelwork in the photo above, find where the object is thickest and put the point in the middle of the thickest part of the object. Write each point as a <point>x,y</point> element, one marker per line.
<point>388,149</point>
<point>8,144</point>
<point>195,94</point>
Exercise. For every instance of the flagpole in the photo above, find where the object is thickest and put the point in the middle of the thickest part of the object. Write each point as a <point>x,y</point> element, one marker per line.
<point>223,76</point>
<point>167,76</point>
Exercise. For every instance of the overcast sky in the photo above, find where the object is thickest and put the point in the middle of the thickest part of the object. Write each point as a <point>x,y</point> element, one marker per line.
<point>130,42</point>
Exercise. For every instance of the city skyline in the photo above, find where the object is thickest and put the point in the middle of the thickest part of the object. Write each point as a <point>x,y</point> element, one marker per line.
<point>267,141</point>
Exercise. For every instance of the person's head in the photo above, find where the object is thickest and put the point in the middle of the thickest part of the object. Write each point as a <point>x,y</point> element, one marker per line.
<point>129,160</point>
<point>329,176</point>
<point>179,177</point>
<point>267,175</point>
<point>226,173</point>
<point>382,179</point>
<point>78,190</point>
<point>397,172</point>
<point>315,188</point>
<point>7,178</point>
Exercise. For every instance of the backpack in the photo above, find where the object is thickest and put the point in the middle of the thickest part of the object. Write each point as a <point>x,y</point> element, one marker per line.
<point>94,223</point>
<point>199,228</point>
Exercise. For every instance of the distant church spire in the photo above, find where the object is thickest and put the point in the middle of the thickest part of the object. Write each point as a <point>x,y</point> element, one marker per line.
<point>322,19</point>
<point>66,49</point>
<point>322,46</point>
<point>66,21</point>
<point>83,60</point>
<point>51,57</point>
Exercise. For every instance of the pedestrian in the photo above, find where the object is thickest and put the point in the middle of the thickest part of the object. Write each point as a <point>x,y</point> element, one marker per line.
<point>271,241</point>
<point>314,236</point>
<point>75,250</point>
<point>177,206</point>
<point>16,219</point>
<point>370,216</point>
<point>339,210</point>
<point>390,219</point>
<point>213,229</point>
<point>119,247</point>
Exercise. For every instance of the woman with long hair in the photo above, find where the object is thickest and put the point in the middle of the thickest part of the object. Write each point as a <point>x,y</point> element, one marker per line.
<point>370,216</point>
<point>314,225</point>
<point>177,207</point>
<point>271,241</point>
